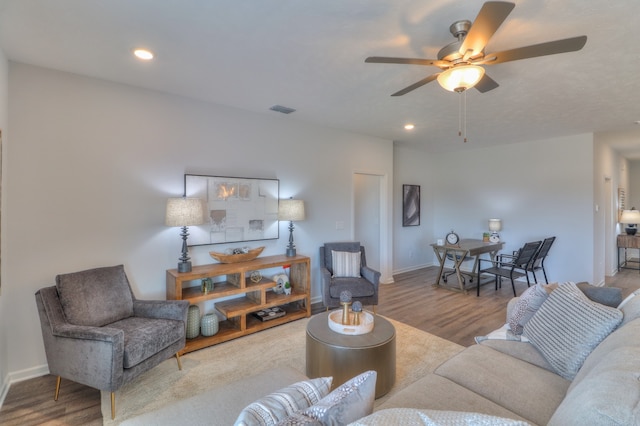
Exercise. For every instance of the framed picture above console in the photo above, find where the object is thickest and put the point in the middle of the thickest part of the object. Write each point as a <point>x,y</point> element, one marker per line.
<point>238,209</point>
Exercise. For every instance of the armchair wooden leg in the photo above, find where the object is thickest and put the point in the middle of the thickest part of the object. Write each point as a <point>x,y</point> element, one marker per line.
<point>113,405</point>
<point>55,397</point>
<point>179,361</point>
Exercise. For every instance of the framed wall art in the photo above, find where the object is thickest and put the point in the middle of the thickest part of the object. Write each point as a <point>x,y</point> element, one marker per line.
<point>410,205</point>
<point>238,209</point>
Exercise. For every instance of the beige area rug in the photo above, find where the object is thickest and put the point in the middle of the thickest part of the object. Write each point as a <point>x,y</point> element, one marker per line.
<point>417,353</point>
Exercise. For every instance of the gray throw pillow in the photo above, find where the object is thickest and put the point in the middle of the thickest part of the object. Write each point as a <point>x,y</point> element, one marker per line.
<point>568,326</point>
<point>526,306</point>
<point>609,296</point>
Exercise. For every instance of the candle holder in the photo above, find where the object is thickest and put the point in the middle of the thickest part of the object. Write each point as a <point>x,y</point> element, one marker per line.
<point>345,301</point>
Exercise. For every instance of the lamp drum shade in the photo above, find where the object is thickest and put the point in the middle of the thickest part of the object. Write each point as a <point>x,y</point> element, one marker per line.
<point>630,217</point>
<point>495,225</point>
<point>292,210</point>
<point>184,211</point>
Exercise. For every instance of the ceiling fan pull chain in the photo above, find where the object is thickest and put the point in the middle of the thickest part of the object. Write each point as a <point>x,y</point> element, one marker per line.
<point>459,114</point>
<point>465,116</point>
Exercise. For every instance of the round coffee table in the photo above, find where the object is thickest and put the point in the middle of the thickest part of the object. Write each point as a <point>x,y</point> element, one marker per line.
<point>344,356</point>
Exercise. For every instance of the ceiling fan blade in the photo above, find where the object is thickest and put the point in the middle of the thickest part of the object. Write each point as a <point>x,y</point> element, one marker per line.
<point>485,84</point>
<point>489,19</point>
<point>416,85</point>
<point>535,50</point>
<point>410,61</point>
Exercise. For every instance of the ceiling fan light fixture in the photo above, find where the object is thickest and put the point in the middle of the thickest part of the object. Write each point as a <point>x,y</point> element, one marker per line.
<point>460,78</point>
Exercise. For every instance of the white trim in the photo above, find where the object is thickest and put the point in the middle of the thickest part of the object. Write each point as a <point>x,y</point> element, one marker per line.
<point>19,376</point>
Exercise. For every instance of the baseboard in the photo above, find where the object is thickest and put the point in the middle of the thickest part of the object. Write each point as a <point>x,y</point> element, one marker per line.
<point>412,268</point>
<point>19,376</point>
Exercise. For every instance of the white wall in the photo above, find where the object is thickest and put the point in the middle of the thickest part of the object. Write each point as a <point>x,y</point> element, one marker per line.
<point>92,163</point>
<point>411,246</point>
<point>4,301</point>
<point>538,189</point>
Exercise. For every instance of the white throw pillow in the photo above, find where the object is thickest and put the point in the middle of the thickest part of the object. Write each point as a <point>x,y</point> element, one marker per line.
<point>345,264</point>
<point>568,326</point>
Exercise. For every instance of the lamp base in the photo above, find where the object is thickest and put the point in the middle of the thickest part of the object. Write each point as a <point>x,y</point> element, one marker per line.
<point>631,231</point>
<point>291,252</point>
<point>184,266</point>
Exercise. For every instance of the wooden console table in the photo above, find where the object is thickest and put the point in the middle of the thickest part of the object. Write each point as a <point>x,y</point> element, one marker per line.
<point>626,242</point>
<point>234,279</point>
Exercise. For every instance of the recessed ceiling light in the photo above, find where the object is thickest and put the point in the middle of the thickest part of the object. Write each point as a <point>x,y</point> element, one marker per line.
<point>144,54</point>
<point>409,126</point>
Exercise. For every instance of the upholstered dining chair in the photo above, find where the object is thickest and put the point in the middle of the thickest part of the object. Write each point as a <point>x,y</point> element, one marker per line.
<point>508,266</point>
<point>343,266</point>
<point>97,333</point>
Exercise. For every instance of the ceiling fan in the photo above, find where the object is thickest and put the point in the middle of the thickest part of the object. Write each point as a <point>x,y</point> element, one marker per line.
<point>461,60</point>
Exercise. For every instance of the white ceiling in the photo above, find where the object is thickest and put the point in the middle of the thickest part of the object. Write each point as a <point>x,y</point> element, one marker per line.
<point>309,55</point>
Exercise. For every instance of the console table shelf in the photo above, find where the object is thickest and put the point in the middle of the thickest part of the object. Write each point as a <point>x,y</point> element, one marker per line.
<point>250,296</point>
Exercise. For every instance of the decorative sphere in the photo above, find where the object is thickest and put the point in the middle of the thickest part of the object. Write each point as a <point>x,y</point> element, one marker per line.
<point>357,306</point>
<point>345,296</point>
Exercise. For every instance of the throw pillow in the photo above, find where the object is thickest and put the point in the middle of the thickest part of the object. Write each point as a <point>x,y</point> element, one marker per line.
<point>426,417</point>
<point>568,326</point>
<point>345,264</point>
<point>347,403</point>
<point>609,296</point>
<point>527,305</point>
<point>284,402</point>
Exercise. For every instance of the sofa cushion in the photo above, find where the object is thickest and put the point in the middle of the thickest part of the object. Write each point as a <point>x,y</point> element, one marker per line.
<point>345,264</point>
<point>606,390</point>
<point>524,351</point>
<point>272,408</point>
<point>350,401</point>
<point>439,393</point>
<point>95,297</point>
<point>416,417</point>
<point>496,377</point>
<point>568,326</point>
<point>144,337</point>
<point>630,309</point>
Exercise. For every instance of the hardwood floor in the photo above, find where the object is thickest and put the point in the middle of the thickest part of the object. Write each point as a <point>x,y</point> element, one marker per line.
<point>411,299</point>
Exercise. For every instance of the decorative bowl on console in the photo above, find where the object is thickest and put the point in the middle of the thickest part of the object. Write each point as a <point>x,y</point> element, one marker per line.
<point>236,257</point>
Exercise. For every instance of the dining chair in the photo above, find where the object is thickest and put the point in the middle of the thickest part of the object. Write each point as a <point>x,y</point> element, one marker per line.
<point>538,262</point>
<point>510,266</point>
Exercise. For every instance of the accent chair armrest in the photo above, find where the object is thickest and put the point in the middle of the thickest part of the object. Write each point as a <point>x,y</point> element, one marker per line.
<point>102,334</point>
<point>370,275</point>
<point>165,309</point>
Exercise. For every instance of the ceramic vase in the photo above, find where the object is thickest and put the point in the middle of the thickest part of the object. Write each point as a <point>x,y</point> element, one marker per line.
<point>193,322</point>
<point>209,325</point>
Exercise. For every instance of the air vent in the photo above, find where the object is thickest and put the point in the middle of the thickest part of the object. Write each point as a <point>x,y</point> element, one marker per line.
<point>282,109</point>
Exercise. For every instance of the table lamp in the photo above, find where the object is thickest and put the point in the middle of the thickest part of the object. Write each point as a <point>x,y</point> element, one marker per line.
<point>184,212</point>
<point>630,218</point>
<point>495,225</point>
<point>291,210</point>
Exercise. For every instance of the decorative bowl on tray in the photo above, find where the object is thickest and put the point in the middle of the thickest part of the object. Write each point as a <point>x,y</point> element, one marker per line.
<point>365,326</point>
<point>239,257</point>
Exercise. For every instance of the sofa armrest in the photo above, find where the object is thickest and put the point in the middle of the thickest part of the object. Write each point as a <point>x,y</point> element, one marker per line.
<point>371,275</point>
<point>165,309</point>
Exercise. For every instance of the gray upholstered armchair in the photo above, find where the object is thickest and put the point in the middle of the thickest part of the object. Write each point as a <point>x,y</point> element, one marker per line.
<point>96,333</point>
<point>361,281</point>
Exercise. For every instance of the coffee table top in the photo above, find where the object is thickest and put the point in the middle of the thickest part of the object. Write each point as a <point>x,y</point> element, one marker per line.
<point>318,329</point>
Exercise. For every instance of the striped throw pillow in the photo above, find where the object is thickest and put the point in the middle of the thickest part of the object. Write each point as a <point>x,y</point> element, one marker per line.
<point>345,264</point>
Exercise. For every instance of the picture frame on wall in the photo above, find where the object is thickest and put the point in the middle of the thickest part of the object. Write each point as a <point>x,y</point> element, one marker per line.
<point>410,205</point>
<point>238,209</point>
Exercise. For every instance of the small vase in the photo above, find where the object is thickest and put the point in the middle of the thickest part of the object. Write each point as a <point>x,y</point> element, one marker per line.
<point>209,324</point>
<point>193,321</point>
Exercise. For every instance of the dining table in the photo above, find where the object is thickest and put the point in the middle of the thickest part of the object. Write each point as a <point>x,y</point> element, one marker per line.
<point>463,250</point>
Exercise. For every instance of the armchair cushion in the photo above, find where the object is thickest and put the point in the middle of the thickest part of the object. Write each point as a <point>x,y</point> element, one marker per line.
<point>145,337</point>
<point>345,264</point>
<point>358,287</point>
<point>95,297</point>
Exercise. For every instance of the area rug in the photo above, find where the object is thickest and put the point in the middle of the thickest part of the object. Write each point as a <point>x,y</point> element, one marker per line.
<point>417,353</point>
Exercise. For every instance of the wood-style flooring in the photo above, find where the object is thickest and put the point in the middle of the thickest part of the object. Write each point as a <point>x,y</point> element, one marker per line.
<point>411,299</point>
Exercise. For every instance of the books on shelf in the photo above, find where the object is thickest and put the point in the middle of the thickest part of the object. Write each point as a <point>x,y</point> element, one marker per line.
<point>269,313</point>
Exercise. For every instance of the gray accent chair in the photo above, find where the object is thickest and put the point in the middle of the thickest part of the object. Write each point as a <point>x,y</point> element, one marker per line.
<point>97,333</point>
<point>364,289</point>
